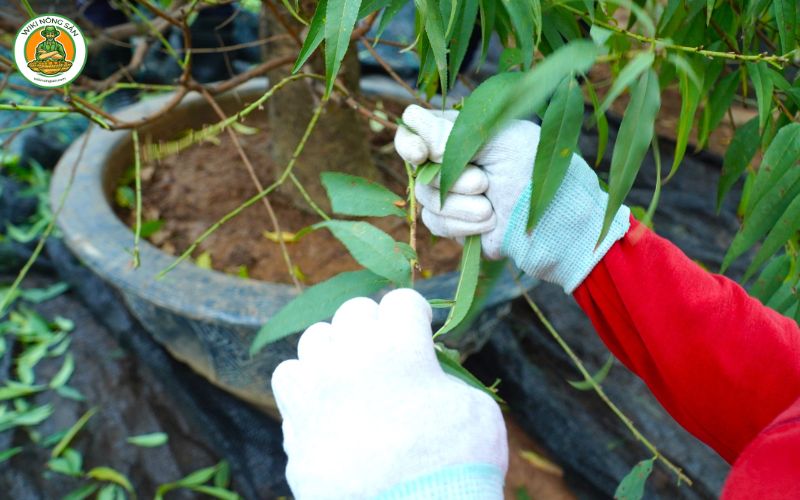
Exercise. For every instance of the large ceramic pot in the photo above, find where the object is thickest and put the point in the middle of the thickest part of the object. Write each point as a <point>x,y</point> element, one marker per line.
<point>205,318</point>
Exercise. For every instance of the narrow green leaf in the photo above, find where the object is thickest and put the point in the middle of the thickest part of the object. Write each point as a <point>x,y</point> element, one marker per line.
<point>633,139</point>
<point>719,102</point>
<point>216,492</point>
<point>459,39</point>
<point>72,432</point>
<point>448,360</point>
<point>488,9</point>
<point>434,31</point>
<point>388,14</point>
<point>786,226</point>
<point>427,173</point>
<point>597,378</point>
<point>764,215</point>
<point>13,390</point>
<point>523,17</point>
<point>632,485</point>
<point>353,195</point>
<point>6,455</point>
<point>151,440</point>
<point>558,140</point>
<point>197,477</point>
<point>372,248</point>
<point>510,57</point>
<point>786,18</point>
<point>740,152</point>
<point>39,295</point>
<point>314,37</point>
<point>111,492</point>
<point>602,124</point>
<point>82,492</point>
<point>763,85</point>
<point>340,19</point>
<point>638,65</point>
<point>771,278</point>
<point>467,282</point>
<point>150,227</point>
<point>709,10</point>
<point>222,477</point>
<point>506,96</point>
<point>110,475</point>
<point>64,373</point>
<point>781,155</point>
<point>690,98</point>
<point>317,303</point>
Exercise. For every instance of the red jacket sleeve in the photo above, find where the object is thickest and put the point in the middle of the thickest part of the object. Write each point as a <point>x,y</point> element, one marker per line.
<point>721,363</point>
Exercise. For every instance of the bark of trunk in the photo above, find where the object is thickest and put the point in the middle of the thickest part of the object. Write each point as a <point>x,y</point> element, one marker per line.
<point>340,140</point>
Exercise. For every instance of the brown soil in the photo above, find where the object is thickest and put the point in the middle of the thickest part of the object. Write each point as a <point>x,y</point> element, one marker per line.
<point>195,188</point>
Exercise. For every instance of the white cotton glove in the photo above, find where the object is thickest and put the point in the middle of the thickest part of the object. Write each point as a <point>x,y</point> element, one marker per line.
<point>492,198</point>
<point>368,412</point>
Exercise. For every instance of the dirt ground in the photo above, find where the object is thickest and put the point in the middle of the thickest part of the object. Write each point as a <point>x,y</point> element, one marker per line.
<point>193,189</point>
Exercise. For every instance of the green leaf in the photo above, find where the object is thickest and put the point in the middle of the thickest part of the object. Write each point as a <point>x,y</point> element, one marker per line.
<point>510,57</point>
<point>786,19</point>
<point>709,10</point>
<point>25,418</point>
<point>526,16</point>
<point>352,195</point>
<point>317,303</point>
<point>110,475</point>
<point>459,39</point>
<point>64,373</point>
<point>13,390</point>
<point>372,248</point>
<point>786,226</point>
<point>781,155</point>
<point>719,102</point>
<point>558,140</point>
<point>150,227</point>
<point>506,96</point>
<point>39,295</point>
<point>434,31</point>
<point>632,485</point>
<point>740,152</point>
<point>690,98</point>
<point>633,139</point>
<point>340,19</point>
<point>72,432</point>
<point>764,215</point>
<point>427,173</point>
<point>597,378</point>
<point>151,440</point>
<point>216,492</point>
<point>6,455</point>
<point>467,282</point>
<point>488,9</point>
<point>389,14</point>
<point>314,37</point>
<point>602,125</point>
<point>82,492</point>
<point>638,65</point>
<point>449,361</point>
<point>197,477</point>
<point>771,278</point>
<point>763,85</point>
<point>222,477</point>
<point>203,260</point>
<point>111,492</point>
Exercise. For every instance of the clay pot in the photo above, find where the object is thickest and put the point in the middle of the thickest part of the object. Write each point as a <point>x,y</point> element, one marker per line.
<point>205,318</point>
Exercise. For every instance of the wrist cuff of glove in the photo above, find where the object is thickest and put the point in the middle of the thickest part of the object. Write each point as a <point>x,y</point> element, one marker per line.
<point>465,482</point>
<point>561,248</point>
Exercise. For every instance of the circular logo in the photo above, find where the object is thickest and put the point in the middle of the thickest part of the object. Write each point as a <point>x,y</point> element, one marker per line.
<point>50,50</point>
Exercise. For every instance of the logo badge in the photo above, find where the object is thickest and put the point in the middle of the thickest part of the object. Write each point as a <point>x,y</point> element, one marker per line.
<point>50,50</point>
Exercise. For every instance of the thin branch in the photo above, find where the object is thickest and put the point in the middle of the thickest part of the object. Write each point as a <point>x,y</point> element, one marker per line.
<point>392,73</point>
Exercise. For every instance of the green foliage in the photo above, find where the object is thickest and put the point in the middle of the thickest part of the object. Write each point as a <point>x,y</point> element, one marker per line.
<point>317,303</point>
<point>467,283</point>
<point>152,440</point>
<point>352,195</point>
<point>632,485</point>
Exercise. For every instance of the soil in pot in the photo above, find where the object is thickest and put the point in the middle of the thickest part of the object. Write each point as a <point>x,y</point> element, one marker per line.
<point>183,194</point>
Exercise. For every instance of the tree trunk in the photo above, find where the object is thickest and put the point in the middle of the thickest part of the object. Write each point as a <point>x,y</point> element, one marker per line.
<point>340,139</point>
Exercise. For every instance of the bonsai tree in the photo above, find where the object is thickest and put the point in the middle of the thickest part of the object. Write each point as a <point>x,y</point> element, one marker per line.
<point>568,62</point>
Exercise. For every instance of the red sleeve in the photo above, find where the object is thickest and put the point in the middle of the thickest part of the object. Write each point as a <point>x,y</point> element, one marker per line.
<point>721,363</point>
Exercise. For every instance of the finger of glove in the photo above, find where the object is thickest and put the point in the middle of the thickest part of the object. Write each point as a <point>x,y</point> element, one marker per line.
<point>433,130</point>
<point>410,146</point>
<point>289,388</point>
<point>470,208</point>
<point>447,227</point>
<point>315,344</point>
<point>405,318</point>
<point>509,143</point>
<point>353,324</point>
<point>473,181</point>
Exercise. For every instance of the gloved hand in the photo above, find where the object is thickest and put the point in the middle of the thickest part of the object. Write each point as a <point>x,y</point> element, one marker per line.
<point>492,199</point>
<point>368,412</point>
